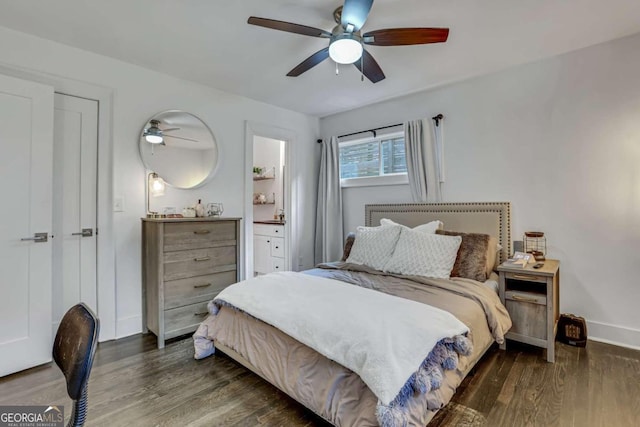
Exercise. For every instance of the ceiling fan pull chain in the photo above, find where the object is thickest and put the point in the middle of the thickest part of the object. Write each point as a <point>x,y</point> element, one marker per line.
<point>362,65</point>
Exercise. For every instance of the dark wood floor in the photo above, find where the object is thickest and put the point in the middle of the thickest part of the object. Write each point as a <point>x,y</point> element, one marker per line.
<point>135,384</point>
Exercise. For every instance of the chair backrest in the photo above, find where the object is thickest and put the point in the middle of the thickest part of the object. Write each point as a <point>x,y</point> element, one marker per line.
<point>75,346</point>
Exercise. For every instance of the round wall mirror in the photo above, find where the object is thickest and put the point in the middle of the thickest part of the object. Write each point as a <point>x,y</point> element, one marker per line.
<point>180,148</point>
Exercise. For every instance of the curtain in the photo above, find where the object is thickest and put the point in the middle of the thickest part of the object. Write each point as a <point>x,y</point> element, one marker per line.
<point>423,161</point>
<point>329,209</point>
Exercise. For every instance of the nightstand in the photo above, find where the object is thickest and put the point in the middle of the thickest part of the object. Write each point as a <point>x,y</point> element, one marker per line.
<point>531,297</point>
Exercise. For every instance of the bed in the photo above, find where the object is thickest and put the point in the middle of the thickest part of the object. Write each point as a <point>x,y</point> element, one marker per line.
<point>337,393</point>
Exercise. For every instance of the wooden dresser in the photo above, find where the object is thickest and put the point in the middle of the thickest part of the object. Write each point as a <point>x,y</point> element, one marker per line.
<point>186,262</point>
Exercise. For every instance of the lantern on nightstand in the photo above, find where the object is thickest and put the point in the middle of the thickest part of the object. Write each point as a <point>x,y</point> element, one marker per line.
<point>536,244</point>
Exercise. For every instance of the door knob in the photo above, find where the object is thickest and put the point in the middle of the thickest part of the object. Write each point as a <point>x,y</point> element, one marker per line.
<point>86,232</point>
<point>37,238</point>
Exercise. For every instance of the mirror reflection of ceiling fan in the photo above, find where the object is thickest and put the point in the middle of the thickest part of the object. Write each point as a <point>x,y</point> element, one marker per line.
<point>154,135</point>
<point>346,41</point>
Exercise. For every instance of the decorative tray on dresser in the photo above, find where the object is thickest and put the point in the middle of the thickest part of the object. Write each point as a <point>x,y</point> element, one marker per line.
<point>186,262</point>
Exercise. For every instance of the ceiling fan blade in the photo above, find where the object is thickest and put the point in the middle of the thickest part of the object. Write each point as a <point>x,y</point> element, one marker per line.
<point>371,68</point>
<point>180,137</point>
<point>355,12</point>
<point>406,36</point>
<point>169,130</point>
<point>310,62</point>
<point>288,27</point>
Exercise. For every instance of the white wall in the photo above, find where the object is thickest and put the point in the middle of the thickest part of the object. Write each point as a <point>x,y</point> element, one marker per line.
<point>139,94</point>
<point>560,140</point>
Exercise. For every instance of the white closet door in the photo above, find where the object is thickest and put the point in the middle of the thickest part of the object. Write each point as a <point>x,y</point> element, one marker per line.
<point>74,205</point>
<point>26,149</point>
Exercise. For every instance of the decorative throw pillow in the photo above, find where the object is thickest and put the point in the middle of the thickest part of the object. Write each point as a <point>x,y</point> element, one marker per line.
<point>471,262</point>
<point>423,254</point>
<point>429,227</point>
<point>348,244</point>
<point>373,246</point>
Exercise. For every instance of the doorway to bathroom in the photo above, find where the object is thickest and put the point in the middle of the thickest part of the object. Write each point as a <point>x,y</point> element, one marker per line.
<point>269,212</point>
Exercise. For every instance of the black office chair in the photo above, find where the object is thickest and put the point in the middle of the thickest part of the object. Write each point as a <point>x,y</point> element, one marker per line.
<point>73,351</point>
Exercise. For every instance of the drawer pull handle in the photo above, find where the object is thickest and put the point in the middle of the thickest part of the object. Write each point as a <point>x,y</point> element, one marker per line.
<point>525,277</point>
<point>204,258</point>
<point>268,241</point>
<point>525,299</point>
<point>277,247</point>
<point>202,232</point>
<point>277,231</point>
<point>201,313</point>
<point>204,285</point>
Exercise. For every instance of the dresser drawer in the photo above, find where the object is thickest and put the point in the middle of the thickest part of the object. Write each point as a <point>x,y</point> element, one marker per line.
<point>269,230</point>
<point>194,235</point>
<point>277,247</point>
<point>182,320</point>
<point>178,293</point>
<point>199,262</point>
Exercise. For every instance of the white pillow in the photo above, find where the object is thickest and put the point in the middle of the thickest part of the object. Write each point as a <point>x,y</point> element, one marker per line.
<point>373,246</point>
<point>429,227</point>
<point>422,254</point>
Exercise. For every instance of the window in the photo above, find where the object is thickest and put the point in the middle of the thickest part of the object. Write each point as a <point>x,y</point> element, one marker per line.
<point>373,161</point>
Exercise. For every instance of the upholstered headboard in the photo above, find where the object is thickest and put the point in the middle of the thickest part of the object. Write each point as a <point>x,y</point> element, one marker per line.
<point>493,218</point>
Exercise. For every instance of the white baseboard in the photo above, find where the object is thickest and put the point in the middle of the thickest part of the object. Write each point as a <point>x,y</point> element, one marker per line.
<point>613,334</point>
<point>128,326</point>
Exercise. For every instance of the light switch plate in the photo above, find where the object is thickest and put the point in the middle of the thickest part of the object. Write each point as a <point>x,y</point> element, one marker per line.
<point>118,204</point>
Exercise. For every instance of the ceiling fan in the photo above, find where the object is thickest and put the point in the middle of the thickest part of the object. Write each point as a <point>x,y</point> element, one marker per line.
<point>154,135</point>
<point>346,40</point>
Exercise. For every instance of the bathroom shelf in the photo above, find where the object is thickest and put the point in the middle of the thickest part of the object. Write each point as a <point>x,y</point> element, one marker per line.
<point>269,173</point>
<point>265,203</point>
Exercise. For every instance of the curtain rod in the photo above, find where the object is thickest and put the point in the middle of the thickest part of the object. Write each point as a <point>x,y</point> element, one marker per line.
<point>437,119</point>
<point>371,130</point>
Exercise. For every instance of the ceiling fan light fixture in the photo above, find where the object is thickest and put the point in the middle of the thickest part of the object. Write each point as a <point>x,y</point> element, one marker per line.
<point>345,49</point>
<point>153,138</point>
<point>153,135</point>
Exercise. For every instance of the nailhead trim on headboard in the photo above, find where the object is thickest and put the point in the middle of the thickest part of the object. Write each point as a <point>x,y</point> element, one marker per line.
<point>503,209</point>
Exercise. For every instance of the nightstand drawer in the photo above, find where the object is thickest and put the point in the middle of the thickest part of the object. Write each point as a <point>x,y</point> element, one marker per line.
<point>525,277</point>
<point>525,297</point>
<point>529,319</point>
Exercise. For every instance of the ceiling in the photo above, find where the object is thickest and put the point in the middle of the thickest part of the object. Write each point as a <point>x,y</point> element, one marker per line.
<point>209,41</point>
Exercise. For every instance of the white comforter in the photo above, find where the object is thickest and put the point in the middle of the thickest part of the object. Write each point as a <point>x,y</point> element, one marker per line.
<point>382,338</point>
